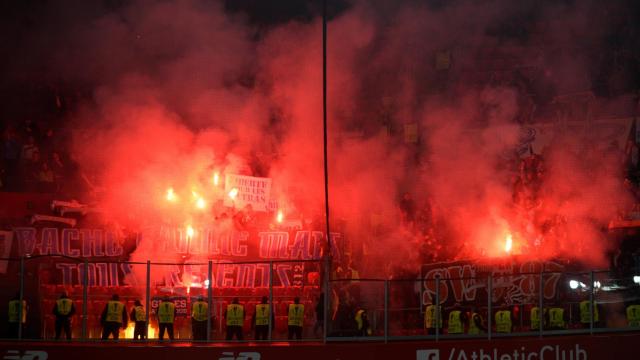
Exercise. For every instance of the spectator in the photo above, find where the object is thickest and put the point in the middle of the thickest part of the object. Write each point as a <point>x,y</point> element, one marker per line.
<point>46,178</point>
<point>28,149</point>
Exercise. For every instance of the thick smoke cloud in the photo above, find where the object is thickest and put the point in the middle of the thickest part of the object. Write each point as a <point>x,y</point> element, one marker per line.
<point>182,89</point>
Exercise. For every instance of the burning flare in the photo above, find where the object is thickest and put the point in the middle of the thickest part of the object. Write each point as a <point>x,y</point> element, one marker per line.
<point>508,243</point>
<point>171,196</point>
<point>233,193</point>
<point>279,217</point>
<point>216,179</point>
<point>200,203</point>
<point>190,231</point>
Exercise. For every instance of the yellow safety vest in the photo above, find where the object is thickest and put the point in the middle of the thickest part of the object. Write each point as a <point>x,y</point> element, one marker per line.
<point>140,314</point>
<point>235,315</point>
<point>535,317</point>
<point>199,311</point>
<point>430,317</point>
<point>64,306</point>
<point>503,321</point>
<point>166,312</point>
<point>262,314</point>
<point>633,315</point>
<point>455,323</point>
<point>296,314</point>
<point>114,311</point>
<point>473,328</point>
<point>585,316</point>
<point>360,322</point>
<point>556,317</point>
<point>14,310</point>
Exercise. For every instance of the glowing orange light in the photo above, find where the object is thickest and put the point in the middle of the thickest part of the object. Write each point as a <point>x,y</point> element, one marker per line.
<point>233,193</point>
<point>216,179</point>
<point>279,217</point>
<point>128,332</point>
<point>508,243</point>
<point>171,196</point>
<point>200,203</point>
<point>190,231</point>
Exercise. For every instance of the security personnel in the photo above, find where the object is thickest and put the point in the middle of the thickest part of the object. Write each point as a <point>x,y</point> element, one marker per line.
<point>503,321</point>
<point>430,318</point>
<point>362,323</point>
<point>234,316</point>
<point>261,319</point>
<point>557,318</point>
<point>535,318</point>
<point>139,316</point>
<point>166,316</point>
<point>114,317</point>
<point>476,326</point>
<point>633,315</point>
<point>199,314</point>
<point>15,320</point>
<point>585,314</point>
<point>295,319</point>
<point>457,319</point>
<point>63,310</point>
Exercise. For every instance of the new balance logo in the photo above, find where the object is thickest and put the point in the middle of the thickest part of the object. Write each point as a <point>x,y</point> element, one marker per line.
<point>228,355</point>
<point>431,354</point>
<point>28,355</point>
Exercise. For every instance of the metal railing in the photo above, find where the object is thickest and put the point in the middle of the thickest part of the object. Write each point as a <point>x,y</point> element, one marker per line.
<point>394,308</point>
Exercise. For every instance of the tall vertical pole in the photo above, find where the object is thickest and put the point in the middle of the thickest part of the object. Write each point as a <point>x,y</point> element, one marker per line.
<point>147,300</point>
<point>489,305</point>
<point>437,303</point>
<point>85,298</point>
<point>271,309</point>
<point>327,254</point>
<point>591,305</point>
<point>209,298</point>
<point>21,299</point>
<point>541,303</point>
<point>386,310</point>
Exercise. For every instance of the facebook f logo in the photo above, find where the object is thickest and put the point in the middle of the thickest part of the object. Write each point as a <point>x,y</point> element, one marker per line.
<point>431,354</point>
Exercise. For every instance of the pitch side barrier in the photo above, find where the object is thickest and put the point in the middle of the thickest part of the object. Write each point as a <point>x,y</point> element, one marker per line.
<point>356,309</point>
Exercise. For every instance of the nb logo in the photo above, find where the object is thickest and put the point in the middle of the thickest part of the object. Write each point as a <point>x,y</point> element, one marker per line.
<point>431,354</point>
<point>227,355</point>
<point>28,355</point>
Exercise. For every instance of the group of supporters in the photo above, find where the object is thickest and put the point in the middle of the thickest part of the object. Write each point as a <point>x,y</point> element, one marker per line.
<point>115,317</point>
<point>470,321</point>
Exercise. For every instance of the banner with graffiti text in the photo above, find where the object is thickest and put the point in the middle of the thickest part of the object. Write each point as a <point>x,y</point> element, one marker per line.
<point>465,282</point>
<point>240,259</point>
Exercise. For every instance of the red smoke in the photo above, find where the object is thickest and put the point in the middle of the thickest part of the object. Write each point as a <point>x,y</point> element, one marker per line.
<point>184,90</point>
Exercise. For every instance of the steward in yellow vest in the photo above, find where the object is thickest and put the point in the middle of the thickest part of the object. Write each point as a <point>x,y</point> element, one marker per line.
<point>557,318</point>
<point>456,321</point>
<point>362,323</point>
<point>633,315</point>
<point>63,310</point>
<point>139,316</point>
<point>295,319</point>
<point>114,317</point>
<point>262,317</point>
<point>503,321</point>
<point>166,317</point>
<point>15,319</point>
<point>535,318</point>
<point>199,315</point>
<point>430,318</point>
<point>235,319</point>
<point>476,326</point>
<point>585,315</point>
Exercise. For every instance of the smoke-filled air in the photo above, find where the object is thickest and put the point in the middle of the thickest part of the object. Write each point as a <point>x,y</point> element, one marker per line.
<point>421,168</point>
